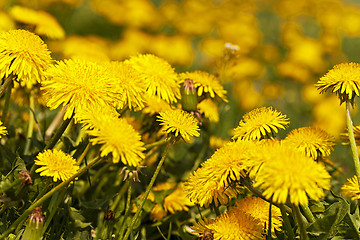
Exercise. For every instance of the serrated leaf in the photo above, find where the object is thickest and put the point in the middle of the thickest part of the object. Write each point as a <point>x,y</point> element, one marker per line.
<point>75,214</point>
<point>326,226</point>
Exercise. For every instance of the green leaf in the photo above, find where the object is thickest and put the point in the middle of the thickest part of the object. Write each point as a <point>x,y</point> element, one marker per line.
<point>326,226</point>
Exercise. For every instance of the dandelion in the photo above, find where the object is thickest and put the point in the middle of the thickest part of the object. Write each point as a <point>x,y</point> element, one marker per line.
<point>24,55</point>
<point>155,105</point>
<point>3,130</point>
<point>260,123</point>
<point>344,80</point>
<point>159,77</point>
<point>115,135</point>
<point>217,181</point>
<point>79,84</point>
<point>259,209</point>
<point>232,225</point>
<point>209,109</point>
<point>351,188</point>
<point>314,142</point>
<point>56,164</point>
<point>345,136</point>
<point>287,174</point>
<point>128,81</point>
<point>180,123</point>
<point>44,23</point>
<point>205,83</point>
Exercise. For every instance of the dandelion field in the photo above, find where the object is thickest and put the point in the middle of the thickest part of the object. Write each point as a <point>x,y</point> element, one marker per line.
<point>179,119</point>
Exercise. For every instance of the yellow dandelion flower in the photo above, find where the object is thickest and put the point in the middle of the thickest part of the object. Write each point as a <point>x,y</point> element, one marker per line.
<point>128,81</point>
<point>260,123</point>
<point>79,84</point>
<point>56,164</point>
<point>45,24</point>
<point>180,123</point>
<point>213,182</point>
<point>174,202</point>
<point>236,225</point>
<point>345,136</point>
<point>203,188</point>
<point>287,174</point>
<point>344,80</point>
<point>201,229</point>
<point>159,77</point>
<point>209,109</point>
<point>115,135</point>
<point>3,130</point>
<point>259,209</point>
<point>217,142</point>
<point>351,188</point>
<point>154,105</point>
<point>312,141</point>
<point>25,55</point>
<point>205,83</point>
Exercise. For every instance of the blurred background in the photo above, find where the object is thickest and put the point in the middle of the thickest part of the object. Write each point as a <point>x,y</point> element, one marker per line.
<point>265,52</point>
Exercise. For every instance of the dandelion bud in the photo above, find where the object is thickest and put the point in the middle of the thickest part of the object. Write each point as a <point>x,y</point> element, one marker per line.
<point>188,96</point>
<point>35,225</point>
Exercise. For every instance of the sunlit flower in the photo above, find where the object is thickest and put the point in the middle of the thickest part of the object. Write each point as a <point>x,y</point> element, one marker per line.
<point>288,174</point>
<point>174,202</point>
<point>344,80</point>
<point>130,86</point>
<point>56,164</point>
<point>25,55</point>
<point>314,142</point>
<point>180,123</point>
<point>159,77</point>
<point>209,109</point>
<point>232,225</point>
<point>217,181</point>
<point>351,188</point>
<point>155,105</point>
<point>345,136</point>
<point>115,135</point>
<point>44,23</point>
<point>205,83</point>
<point>3,130</point>
<point>260,123</point>
<point>79,84</point>
<point>259,209</point>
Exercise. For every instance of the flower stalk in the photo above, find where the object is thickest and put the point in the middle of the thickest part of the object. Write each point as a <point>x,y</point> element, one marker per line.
<point>148,189</point>
<point>352,140</point>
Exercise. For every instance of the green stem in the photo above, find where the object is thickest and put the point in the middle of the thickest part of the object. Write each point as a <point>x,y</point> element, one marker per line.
<point>8,81</point>
<point>300,222</point>
<point>127,210</point>
<point>30,129</point>
<point>286,222</point>
<point>62,185</point>
<point>152,181</point>
<point>308,214</point>
<point>59,199</point>
<point>352,140</point>
<point>7,101</point>
<point>158,143</point>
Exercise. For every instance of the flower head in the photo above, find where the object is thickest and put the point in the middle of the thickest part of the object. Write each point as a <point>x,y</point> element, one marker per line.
<point>260,123</point>
<point>205,83</point>
<point>351,188</point>
<point>259,209</point>
<point>217,179</point>
<point>158,76</point>
<point>209,109</point>
<point>115,135</point>
<point>155,105</point>
<point>314,142</point>
<point>79,84</point>
<point>3,130</point>
<point>56,164</point>
<point>180,123</point>
<point>345,136</point>
<point>287,174</point>
<point>25,55</point>
<point>344,80</point>
<point>128,81</point>
<point>232,225</point>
